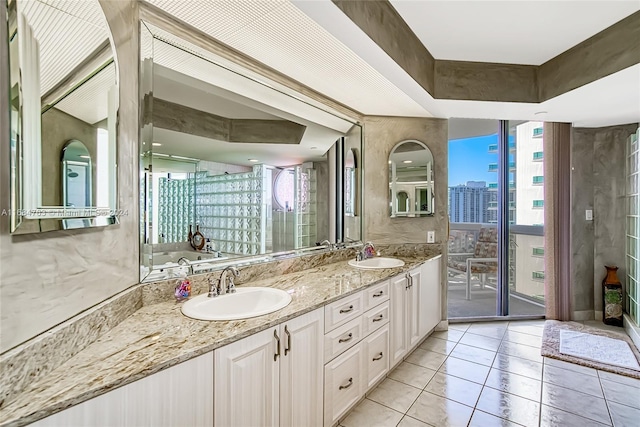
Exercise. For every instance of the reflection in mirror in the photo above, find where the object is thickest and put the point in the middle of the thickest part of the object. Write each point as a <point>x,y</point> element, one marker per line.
<point>63,88</point>
<point>226,156</point>
<point>350,195</point>
<point>411,186</point>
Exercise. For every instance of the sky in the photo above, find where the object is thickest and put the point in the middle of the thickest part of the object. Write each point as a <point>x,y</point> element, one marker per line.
<point>469,160</point>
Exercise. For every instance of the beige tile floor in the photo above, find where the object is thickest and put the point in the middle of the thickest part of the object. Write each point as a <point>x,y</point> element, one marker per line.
<point>492,374</point>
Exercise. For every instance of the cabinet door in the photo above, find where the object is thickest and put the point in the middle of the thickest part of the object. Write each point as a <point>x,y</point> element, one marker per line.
<point>247,381</point>
<point>413,307</point>
<point>180,395</point>
<point>376,352</point>
<point>301,369</point>
<point>398,345</point>
<point>343,384</point>
<point>430,296</point>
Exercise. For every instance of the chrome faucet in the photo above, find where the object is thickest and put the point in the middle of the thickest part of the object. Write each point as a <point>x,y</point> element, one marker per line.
<point>328,243</point>
<point>368,250</point>
<point>185,261</point>
<point>224,284</point>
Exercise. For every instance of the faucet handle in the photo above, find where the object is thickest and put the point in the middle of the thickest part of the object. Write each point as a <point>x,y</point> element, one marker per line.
<point>214,285</point>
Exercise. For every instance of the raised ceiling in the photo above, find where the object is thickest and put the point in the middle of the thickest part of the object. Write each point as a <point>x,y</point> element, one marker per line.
<point>512,32</point>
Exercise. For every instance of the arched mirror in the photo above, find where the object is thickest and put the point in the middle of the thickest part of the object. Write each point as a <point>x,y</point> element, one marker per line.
<point>77,175</point>
<point>411,186</point>
<point>350,182</point>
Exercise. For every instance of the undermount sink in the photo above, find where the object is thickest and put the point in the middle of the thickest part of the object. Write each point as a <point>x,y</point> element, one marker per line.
<point>377,263</point>
<point>242,304</point>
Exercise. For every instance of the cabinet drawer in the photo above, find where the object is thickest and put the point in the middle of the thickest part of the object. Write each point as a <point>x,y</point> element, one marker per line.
<point>375,318</point>
<point>342,338</point>
<point>340,312</point>
<point>376,295</point>
<point>376,351</point>
<point>343,384</point>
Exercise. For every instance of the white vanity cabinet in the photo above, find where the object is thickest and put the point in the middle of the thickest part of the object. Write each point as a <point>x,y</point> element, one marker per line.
<point>430,295</point>
<point>178,396</point>
<point>274,377</point>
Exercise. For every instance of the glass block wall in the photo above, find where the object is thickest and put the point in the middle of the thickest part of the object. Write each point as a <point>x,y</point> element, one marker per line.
<point>230,210</point>
<point>305,207</point>
<point>175,209</point>
<point>633,229</point>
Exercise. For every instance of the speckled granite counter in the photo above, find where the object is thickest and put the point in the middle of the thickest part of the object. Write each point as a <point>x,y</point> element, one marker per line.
<point>158,336</point>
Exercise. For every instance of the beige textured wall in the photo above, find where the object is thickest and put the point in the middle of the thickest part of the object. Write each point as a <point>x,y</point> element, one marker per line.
<point>48,278</point>
<point>380,135</point>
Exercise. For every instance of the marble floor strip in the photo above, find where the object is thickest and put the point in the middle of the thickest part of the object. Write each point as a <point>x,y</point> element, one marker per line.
<point>485,375</point>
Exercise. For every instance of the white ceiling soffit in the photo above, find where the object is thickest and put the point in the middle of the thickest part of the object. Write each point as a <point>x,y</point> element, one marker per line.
<point>90,102</point>
<point>68,32</point>
<point>281,36</point>
<point>612,100</point>
<point>513,32</point>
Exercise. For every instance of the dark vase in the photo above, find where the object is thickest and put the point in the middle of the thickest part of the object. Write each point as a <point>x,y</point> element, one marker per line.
<point>613,297</point>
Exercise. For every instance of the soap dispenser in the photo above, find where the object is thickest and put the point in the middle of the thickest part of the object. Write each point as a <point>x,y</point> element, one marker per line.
<point>183,287</point>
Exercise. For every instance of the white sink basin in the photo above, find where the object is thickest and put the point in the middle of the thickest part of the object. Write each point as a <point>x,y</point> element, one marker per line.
<point>377,262</point>
<point>244,303</point>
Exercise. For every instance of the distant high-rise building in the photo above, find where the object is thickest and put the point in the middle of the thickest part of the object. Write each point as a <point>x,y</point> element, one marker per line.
<point>469,202</point>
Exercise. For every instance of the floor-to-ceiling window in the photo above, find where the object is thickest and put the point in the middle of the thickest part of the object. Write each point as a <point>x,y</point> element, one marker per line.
<point>495,176</point>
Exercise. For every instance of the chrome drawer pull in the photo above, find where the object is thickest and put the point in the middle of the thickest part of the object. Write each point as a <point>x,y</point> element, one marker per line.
<point>378,294</point>
<point>379,318</point>
<point>349,384</point>
<point>347,310</point>
<point>349,338</point>
<point>378,357</point>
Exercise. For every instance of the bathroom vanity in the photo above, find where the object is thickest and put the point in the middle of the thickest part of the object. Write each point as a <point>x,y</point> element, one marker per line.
<point>306,364</point>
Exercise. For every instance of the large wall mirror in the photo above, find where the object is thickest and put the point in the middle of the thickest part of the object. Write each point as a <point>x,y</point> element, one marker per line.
<point>64,103</point>
<point>233,169</point>
<point>411,186</point>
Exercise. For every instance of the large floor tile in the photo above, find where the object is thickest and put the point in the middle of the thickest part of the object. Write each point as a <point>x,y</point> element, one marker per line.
<point>624,416</point>
<point>459,326</point>
<point>519,350</point>
<point>514,384</point>
<point>518,365</point>
<point>414,375</point>
<point>488,330</point>
<point>621,393</point>
<point>395,395</point>
<point>369,414</point>
<point>482,419</point>
<point>480,341</point>
<point>474,354</point>
<point>529,329</point>
<point>609,376</point>
<point>521,338</point>
<point>466,370</point>
<point>570,366</point>
<point>454,388</point>
<point>579,381</point>
<point>428,359</point>
<point>450,335</point>
<point>407,421</point>
<point>440,412</point>
<point>438,345</point>
<point>575,402</point>
<point>509,406</point>
<point>554,417</point>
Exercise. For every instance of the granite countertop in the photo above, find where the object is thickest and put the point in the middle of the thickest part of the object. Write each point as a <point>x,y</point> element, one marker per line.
<point>159,336</point>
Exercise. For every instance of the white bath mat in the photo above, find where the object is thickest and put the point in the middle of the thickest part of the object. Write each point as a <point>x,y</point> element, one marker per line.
<point>598,349</point>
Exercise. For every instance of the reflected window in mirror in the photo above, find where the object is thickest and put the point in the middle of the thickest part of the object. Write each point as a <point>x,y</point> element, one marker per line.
<point>411,184</point>
<point>63,88</point>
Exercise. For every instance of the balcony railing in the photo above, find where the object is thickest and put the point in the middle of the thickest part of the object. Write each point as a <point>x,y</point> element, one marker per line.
<point>538,155</point>
<point>493,148</point>
<point>493,167</point>
<point>538,132</point>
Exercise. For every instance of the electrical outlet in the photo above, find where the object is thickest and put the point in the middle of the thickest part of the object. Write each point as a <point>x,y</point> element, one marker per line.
<point>431,236</point>
<point>589,215</point>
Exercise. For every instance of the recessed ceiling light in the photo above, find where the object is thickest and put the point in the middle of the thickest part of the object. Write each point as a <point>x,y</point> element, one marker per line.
<point>407,161</point>
<point>156,144</point>
<point>541,112</point>
<point>254,160</point>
